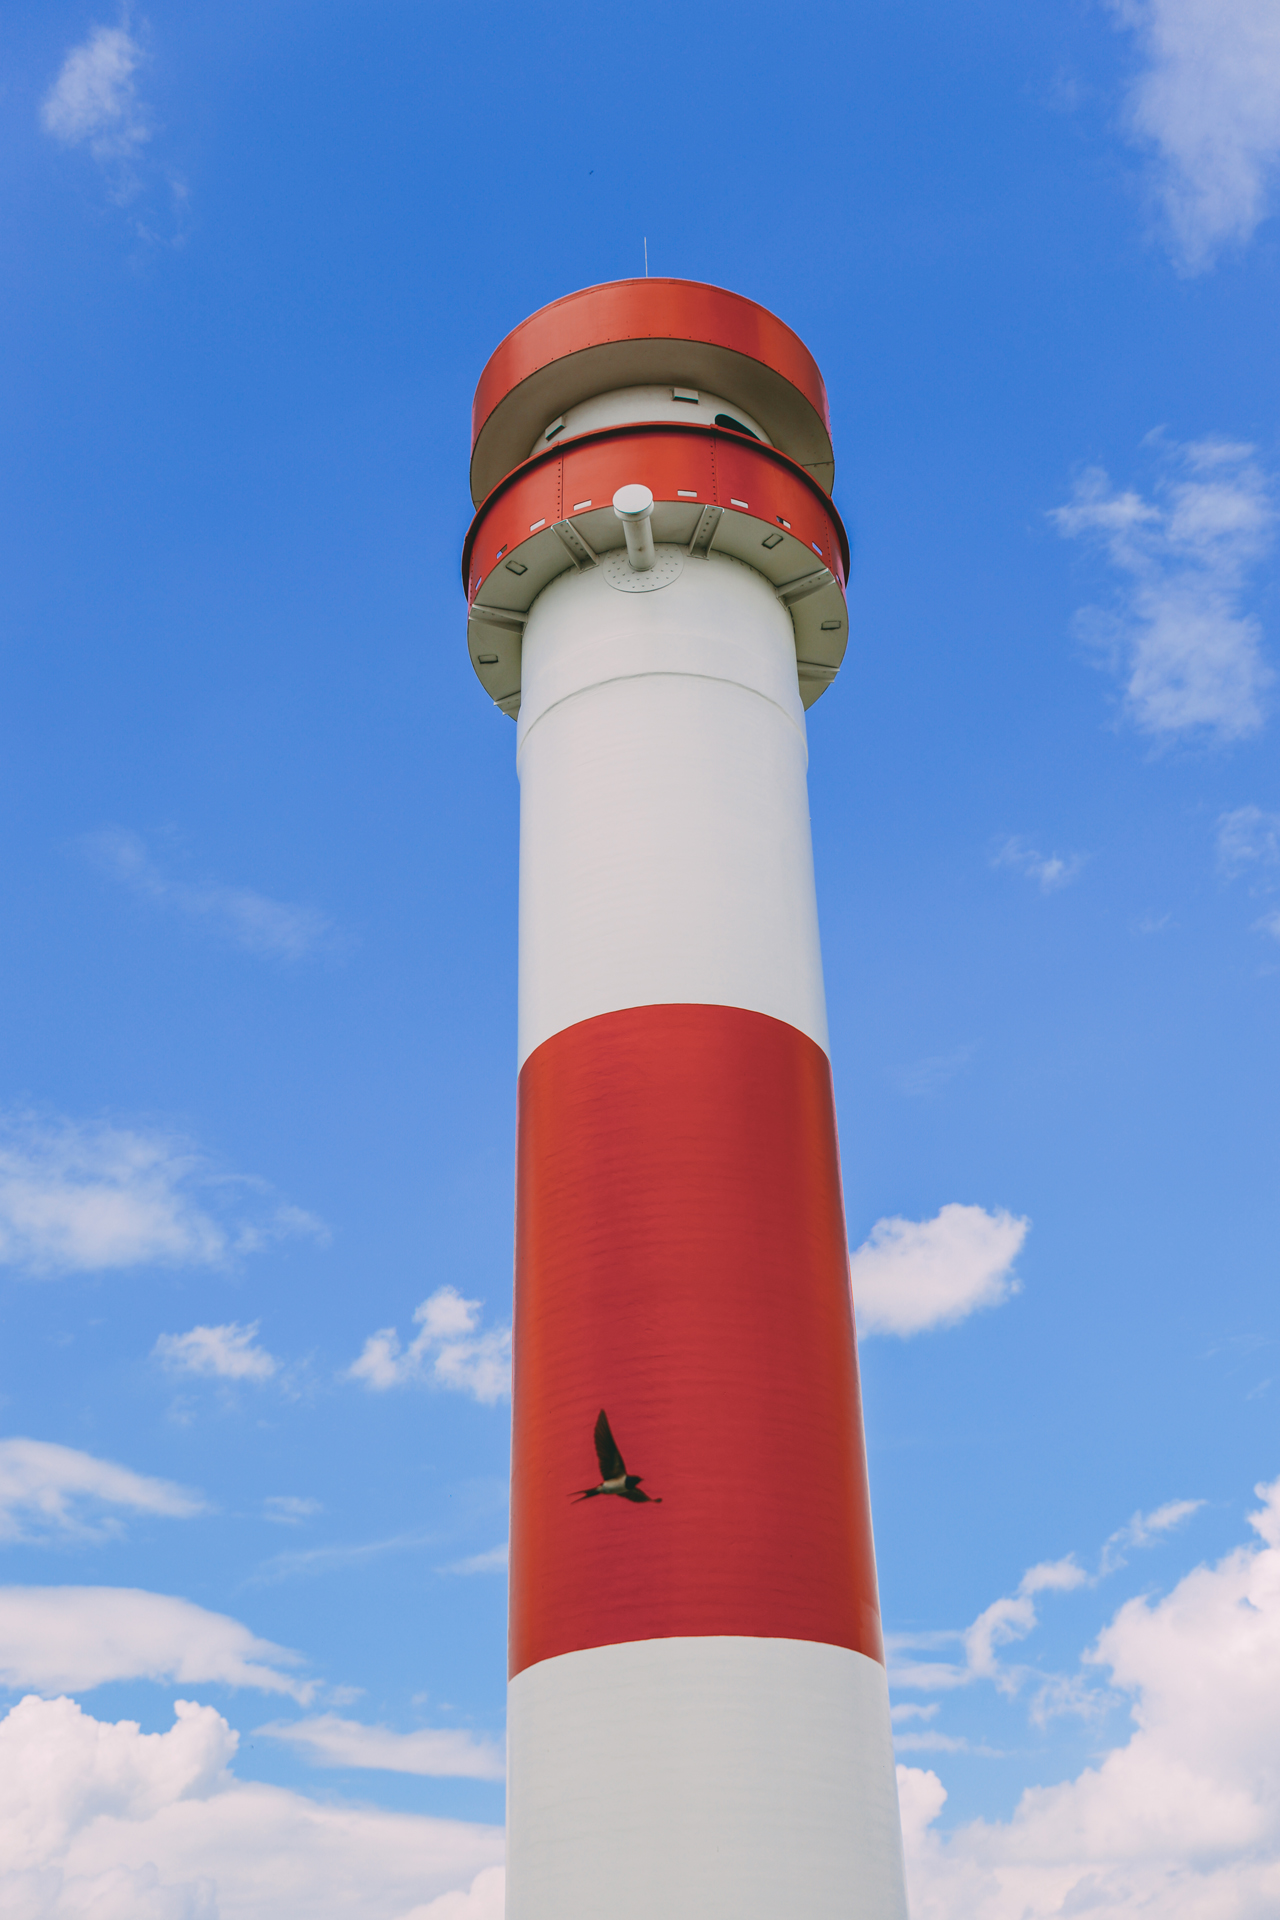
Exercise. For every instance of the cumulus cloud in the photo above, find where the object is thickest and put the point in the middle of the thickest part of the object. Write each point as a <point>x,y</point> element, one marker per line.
<point>448,1349</point>
<point>94,100</point>
<point>1188,654</point>
<point>1206,106</point>
<point>56,1638</point>
<point>83,1196</point>
<point>1049,870</point>
<point>103,1820</point>
<point>1180,1823</point>
<point>274,928</point>
<point>224,1353</point>
<point>485,1899</point>
<point>442,1752</point>
<point>50,1491</point>
<point>910,1275</point>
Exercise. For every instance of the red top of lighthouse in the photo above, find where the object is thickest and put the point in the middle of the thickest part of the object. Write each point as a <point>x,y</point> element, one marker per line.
<point>631,333</point>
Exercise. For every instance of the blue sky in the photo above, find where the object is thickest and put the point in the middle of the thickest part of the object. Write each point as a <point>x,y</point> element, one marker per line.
<point>257,979</point>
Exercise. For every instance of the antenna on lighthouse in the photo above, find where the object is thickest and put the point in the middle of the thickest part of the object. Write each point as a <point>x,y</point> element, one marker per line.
<point>646,256</point>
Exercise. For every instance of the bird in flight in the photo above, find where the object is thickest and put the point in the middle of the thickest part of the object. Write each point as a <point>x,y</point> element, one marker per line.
<point>614,1477</point>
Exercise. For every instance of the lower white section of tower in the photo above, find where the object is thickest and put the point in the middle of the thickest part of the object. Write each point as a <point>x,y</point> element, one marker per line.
<point>703,1779</point>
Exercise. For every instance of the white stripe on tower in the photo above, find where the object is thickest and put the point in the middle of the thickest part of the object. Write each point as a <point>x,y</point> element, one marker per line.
<point>664,823</point>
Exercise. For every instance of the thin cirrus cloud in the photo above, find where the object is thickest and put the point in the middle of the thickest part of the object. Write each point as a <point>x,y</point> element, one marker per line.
<point>1248,848</point>
<point>1014,1616</point>
<point>492,1560</point>
<point>229,1352</point>
<point>94,101</point>
<point>1178,634</point>
<point>157,1826</point>
<point>439,1752</point>
<point>87,1196</point>
<point>911,1275</point>
<point>923,1079</point>
<point>1181,1820</point>
<point>1206,107</point>
<point>275,929</point>
<point>56,1639</point>
<point>449,1350</point>
<point>52,1492</point>
<point>1050,871</point>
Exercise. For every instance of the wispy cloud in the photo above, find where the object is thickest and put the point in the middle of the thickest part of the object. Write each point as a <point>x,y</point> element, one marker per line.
<point>1188,654</point>
<point>910,1275</point>
<point>1249,849</point>
<point>439,1752</point>
<point>226,1353</point>
<point>277,929</point>
<point>48,1491</point>
<point>1248,843</point>
<point>921,1079</point>
<point>448,1350</point>
<point>305,1561</point>
<point>69,1638</point>
<point>1206,106</point>
<point>1012,1617</point>
<point>1145,1530</point>
<point>94,100</point>
<point>290,1509</point>
<point>84,1196</point>
<point>1049,870</point>
<point>493,1560</point>
<point>95,105</point>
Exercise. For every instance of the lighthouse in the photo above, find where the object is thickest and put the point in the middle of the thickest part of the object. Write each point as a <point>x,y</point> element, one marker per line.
<point>698,1708</point>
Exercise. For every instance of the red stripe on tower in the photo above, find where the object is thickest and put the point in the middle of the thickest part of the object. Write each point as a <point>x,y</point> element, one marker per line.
<point>681,1260</point>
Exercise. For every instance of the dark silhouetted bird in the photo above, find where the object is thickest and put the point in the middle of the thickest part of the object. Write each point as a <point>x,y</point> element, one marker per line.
<point>614,1477</point>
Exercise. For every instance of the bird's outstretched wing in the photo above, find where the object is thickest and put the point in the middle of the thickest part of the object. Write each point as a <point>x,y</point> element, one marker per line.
<point>612,1465</point>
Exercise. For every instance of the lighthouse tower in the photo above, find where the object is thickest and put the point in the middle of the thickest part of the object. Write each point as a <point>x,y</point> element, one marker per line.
<point>699,1717</point>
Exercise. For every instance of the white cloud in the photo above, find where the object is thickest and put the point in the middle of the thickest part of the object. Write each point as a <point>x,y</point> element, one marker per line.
<point>1145,1530</point>
<point>1248,842</point>
<point>1049,870</point>
<point>250,920</point>
<point>921,1079</point>
<point>94,100</point>
<point>227,1353</point>
<point>1013,1616</point>
<point>104,1822</point>
<point>484,1900</point>
<point>290,1508</point>
<point>83,1196</point>
<point>1180,1823</point>
<point>909,1275</point>
<point>1189,656</point>
<point>1207,106</point>
<point>47,1489</point>
<point>56,1638</point>
<point>442,1752</point>
<point>493,1560</point>
<point>449,1350</point>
